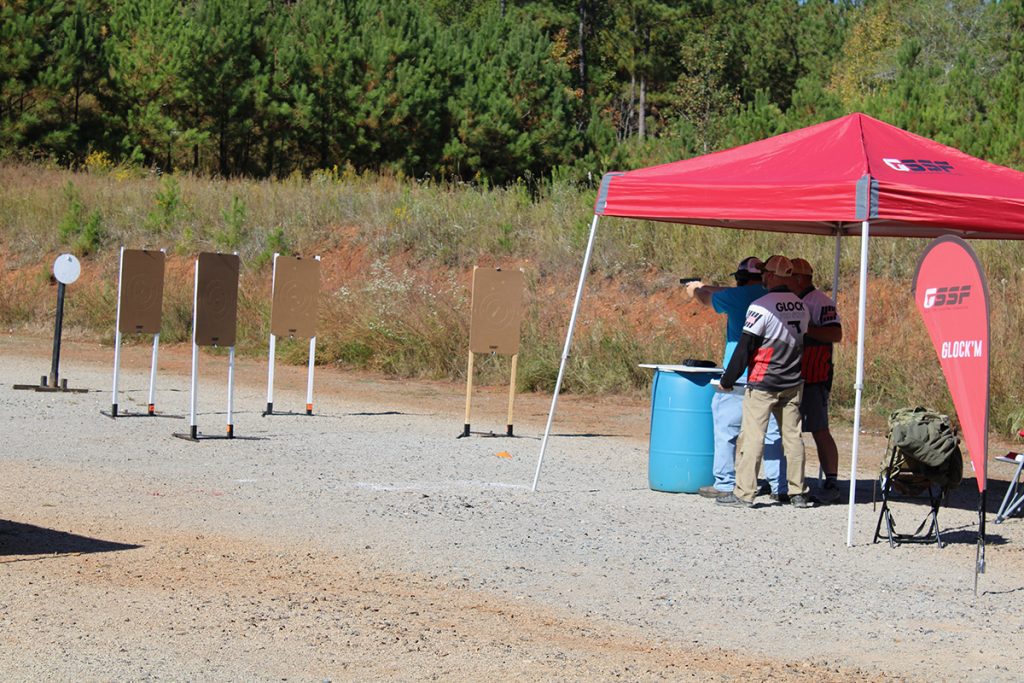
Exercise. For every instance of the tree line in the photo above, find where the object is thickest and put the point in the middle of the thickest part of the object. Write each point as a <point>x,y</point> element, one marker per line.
<point>491,91</point>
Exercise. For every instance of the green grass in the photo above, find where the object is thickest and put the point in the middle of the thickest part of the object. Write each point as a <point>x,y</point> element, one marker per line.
<point>401,306</point>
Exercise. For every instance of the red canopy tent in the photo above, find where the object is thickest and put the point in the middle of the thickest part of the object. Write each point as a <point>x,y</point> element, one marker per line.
<point>854,175</point>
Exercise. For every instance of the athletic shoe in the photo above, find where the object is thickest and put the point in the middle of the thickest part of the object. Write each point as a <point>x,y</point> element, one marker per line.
<point>801,500</point>
<point>730,500</point>
<point>711,492</point>
<point>780,498</point>
<point>827,494</point>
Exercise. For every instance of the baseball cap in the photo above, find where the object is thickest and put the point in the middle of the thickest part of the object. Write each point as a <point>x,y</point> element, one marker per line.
<point>748,267</point>
<point>802,267</point>
<point>780,265</point>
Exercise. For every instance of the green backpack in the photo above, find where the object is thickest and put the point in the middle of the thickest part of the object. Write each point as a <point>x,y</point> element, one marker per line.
<point>922,442</point>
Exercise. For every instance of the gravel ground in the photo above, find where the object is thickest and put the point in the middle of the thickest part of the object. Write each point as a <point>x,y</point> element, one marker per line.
<point>368,543</point>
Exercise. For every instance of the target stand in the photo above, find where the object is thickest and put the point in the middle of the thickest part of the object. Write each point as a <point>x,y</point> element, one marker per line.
<point>66,270</point>
<point>495,321</point>
<point>140,296</point>
<point>295,293</point>
<point>214,322</point>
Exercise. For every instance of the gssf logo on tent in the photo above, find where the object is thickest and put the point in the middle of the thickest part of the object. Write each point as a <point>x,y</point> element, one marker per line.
<point>946,296</point>
<point>918,165</point>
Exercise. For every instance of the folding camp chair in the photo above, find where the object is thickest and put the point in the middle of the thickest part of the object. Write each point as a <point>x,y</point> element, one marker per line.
<point>909,485</point>
<point>1014,497</point>
<point>922,457</point>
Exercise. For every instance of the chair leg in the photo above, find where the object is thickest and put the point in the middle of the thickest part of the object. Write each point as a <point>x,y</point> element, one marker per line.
<point>886,515</point>
<point>1014,497</point>
<point>931,521</point>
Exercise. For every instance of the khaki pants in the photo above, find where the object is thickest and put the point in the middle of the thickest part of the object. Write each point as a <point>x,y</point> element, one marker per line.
<point>757,406</point>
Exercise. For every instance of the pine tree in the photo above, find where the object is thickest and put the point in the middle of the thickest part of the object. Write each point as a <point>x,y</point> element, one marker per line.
<point>70,83</point>
<point>317,77</point>
<point>147,108</point>
<point>25,30</point>
<point>221,57</point>
<point>402,61</point>
<point>514,109</point>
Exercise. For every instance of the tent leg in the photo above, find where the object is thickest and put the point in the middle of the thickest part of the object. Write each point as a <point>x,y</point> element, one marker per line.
<point>565,349</point>
<point>859,382</point>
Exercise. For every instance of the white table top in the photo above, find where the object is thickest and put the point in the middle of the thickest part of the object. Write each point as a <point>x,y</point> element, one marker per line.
<point>681,368</point>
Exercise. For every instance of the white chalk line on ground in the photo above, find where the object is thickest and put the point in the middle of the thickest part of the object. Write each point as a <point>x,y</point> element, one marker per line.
<point>432,486</point>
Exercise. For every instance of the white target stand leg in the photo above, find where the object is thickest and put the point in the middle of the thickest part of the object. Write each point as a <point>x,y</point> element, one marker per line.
<point>151,404</point>
<point>309,378</point>
<point>270,375</point>
<point>193,429</point>
<point>312,363</point>
<point>469,395</point>
<point>117,336</point>
<point>223,272</point>
<point>117,372</point>
<point>511,393</point>
<point>231,391</point>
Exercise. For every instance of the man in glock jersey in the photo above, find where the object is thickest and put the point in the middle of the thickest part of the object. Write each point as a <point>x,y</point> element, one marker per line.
<point>825,330</point>
<point>770,350</point>
<point>727,408</point>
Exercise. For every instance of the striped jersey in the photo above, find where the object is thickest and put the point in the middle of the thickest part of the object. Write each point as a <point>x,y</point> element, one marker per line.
<point>778,320</point>
<point>817,358</point>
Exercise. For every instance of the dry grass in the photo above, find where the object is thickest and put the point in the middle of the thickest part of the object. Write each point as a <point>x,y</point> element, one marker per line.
<point>397,257</point>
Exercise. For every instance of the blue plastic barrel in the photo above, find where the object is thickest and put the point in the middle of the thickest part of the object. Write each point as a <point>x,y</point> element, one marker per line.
<point>682,433</point>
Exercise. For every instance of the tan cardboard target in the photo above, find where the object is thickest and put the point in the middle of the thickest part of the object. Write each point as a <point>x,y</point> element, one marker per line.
<point>142,291</point>
<point>217,299</point>
<point>296,296</point>
<point>497,311</point>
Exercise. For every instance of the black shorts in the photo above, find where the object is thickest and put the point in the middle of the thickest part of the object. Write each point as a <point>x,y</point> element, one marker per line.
<point>814,407</point>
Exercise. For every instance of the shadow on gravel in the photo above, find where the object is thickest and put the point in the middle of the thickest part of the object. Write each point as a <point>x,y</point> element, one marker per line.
<point>27,539</point>
<point>377,414</point>
<point>969,535</point>
<point>330,415</point>
<point>587,435</point>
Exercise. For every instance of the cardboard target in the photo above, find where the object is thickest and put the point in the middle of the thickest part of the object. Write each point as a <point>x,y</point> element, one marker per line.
<point>497,311</point>
<point>296,295</point>
<point>142,291</point>
<point>217,299</point>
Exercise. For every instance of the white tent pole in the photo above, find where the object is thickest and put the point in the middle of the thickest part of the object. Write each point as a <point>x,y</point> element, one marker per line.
<point>565,350</point>
<point>859,383</point>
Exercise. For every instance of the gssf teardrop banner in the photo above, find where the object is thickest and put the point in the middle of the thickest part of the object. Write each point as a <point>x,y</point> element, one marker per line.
<point>952,297</point>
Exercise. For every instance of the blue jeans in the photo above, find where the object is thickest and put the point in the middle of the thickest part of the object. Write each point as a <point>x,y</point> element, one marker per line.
<point>727,413</point>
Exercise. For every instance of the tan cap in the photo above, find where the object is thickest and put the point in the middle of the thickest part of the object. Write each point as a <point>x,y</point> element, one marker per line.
<point>780,265</point>
<point>802,267</point>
